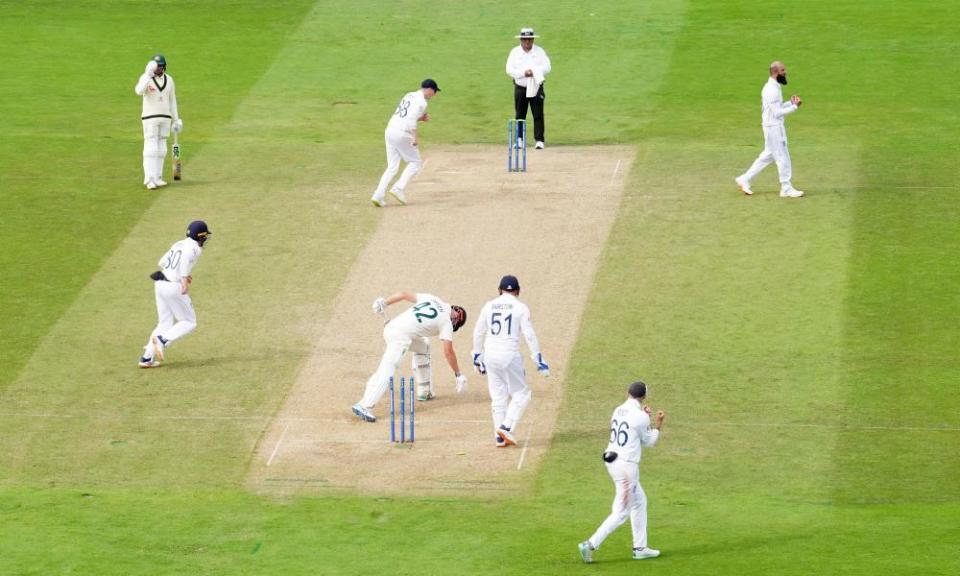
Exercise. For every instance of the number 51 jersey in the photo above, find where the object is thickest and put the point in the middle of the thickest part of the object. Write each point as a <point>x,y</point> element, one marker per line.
<point>430,316</point>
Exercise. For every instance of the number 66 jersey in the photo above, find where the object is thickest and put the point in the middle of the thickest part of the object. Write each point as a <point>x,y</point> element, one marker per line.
<point>430,316</point>
<point>629,430</point>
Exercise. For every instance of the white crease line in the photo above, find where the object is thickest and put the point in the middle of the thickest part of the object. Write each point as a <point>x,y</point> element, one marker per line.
<point>615,170</point>
<point>277,447</point>
<point>526,444</point>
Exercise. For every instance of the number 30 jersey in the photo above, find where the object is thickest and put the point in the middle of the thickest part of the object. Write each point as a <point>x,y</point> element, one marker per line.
<point>408,112</point>
<point>499,325</point>
<point>629,430</point>
<point>180,259</point>
<point>430,316</point>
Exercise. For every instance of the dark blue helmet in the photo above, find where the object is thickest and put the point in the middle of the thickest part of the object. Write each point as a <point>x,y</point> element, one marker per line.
<point>510,283</point>
<point>160,60</point>
<point>198,231</point>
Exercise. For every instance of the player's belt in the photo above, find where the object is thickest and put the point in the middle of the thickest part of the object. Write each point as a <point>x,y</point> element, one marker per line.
<point>156,116</point>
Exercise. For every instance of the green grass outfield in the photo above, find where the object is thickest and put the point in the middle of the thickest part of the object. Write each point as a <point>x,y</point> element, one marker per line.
<point>806,351</point>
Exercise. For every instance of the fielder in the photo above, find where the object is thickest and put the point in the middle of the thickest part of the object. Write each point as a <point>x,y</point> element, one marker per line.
<point>411,330</point>
<point>629,430</point>
<point>159,109</point>
<point>496,353</point>
<point>171,287</point>
<point>401,138</point>
<point>774,109</point>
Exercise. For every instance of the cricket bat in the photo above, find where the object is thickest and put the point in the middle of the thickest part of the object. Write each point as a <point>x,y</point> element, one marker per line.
<point>176,157</point>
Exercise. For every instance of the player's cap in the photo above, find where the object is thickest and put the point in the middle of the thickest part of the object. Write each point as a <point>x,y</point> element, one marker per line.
<point>198,231</point>
<point>510,283</point>
<point>430,83</point>
<point>637,390</point>
<point>526,33</point>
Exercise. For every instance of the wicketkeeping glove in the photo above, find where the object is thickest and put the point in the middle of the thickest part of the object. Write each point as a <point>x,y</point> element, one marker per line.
<point>542,367</point>
<point>478,364</point>
<point>461,383</point>
<point>379,306</point>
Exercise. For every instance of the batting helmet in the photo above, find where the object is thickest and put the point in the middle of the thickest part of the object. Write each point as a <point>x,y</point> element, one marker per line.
<point>198,231</point>
<point>160,60</point>
<point>461,320</point>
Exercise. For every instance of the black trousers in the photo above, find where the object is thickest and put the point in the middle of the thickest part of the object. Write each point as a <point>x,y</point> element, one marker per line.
<point>521,101</point>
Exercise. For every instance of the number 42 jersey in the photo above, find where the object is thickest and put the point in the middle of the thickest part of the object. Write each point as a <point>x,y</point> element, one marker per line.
<point>629,430</point>
<point>430,316</point>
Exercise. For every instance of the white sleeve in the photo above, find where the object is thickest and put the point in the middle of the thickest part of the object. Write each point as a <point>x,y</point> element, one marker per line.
<point>188,262</point>
<point>173,100</point>
<point>648,435</point>
<point>784,109</point>
<point>526,326</point>
<point>141,86</point>
<point>514,69</point>
<point>546,63</point>
<point>480,330</point>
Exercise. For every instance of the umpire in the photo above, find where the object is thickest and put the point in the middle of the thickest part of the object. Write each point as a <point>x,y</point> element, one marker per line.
<point>529,65</point>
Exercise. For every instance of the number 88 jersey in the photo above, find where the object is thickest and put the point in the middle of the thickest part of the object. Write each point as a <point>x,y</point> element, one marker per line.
<point>430,316</point>
<point>629,430</point>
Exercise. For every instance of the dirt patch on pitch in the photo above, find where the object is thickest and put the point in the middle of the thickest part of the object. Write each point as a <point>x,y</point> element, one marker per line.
<point>466,224</point>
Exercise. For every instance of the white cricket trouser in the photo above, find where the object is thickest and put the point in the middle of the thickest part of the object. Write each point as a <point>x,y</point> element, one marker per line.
<point>509,394</point>
<point>399,147</point>
<point>155,134</point>
<point>176,317</point>
<point>397,345</point>
<point>774,150</point>
<point>630,501</point>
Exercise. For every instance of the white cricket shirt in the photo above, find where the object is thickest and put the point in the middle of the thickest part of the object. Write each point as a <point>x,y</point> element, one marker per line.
<point>408,112</point>
<point>773,106</point>
<point>159,96</point>
<point>180,259</point>
<point>430,316</point>
<point>629,430</point>
<point>519,61</point>
<point>499,325</point>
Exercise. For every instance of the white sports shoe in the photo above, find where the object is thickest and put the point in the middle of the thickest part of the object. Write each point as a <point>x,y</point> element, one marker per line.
<point>151,185</point>
<point>539,145</point>
<point>161,183</point>
<point>744,185</point>
<point>643,553</point>
<point>791,193</point>
<point>586,552</point>
<point>158,347</point>
<point>378,203</point>
<point>362,413</point>
<point>506,436</point>
<point>148,362</point>
<point>398,195</point>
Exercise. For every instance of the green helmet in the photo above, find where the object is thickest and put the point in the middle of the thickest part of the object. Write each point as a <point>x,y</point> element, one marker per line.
<point>160,60</point>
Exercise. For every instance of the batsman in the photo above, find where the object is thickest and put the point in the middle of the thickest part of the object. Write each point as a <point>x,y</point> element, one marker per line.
<point>159,116</point>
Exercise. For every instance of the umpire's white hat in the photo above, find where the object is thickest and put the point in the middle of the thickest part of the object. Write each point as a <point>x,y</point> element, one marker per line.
<point>526,33</point>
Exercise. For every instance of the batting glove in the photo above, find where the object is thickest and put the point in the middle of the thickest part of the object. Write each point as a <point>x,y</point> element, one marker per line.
<point>151,67</point>
<point>478,364</point>
<point>461,383</point>
<point>379,306</point>
<point>177,126</point>
<point>542,367</point>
